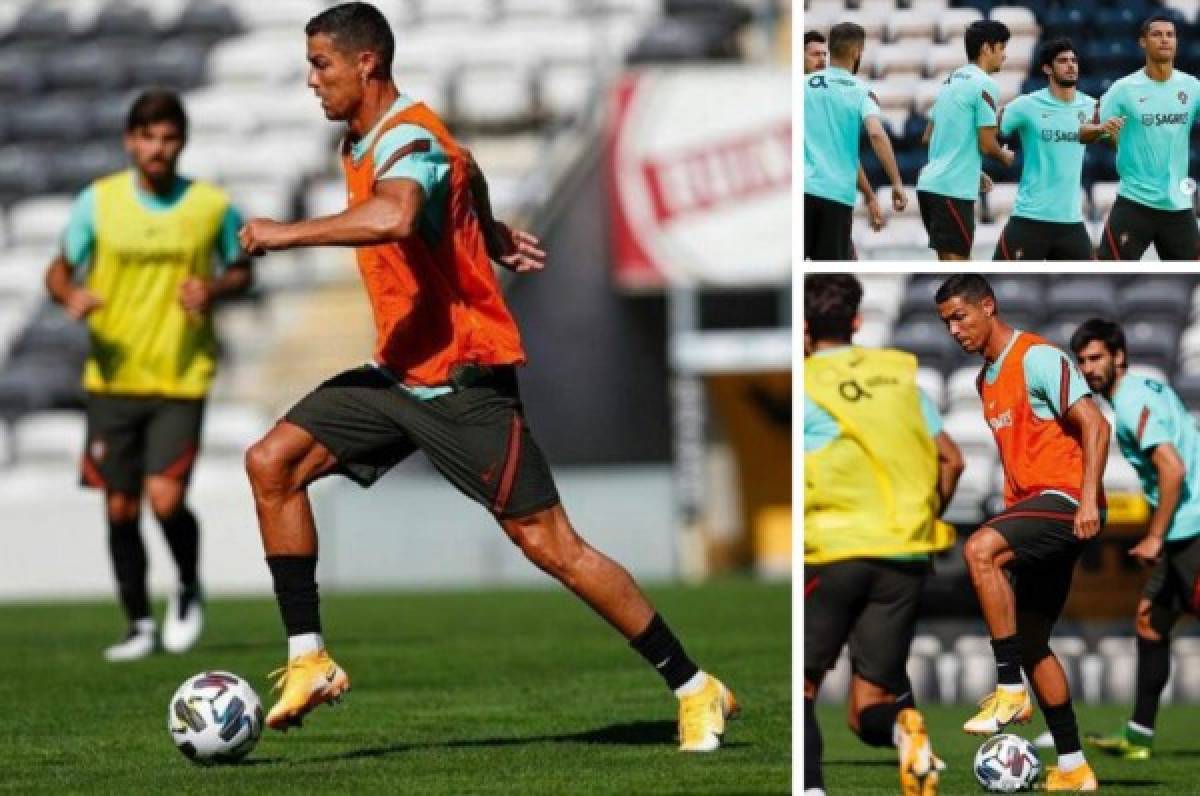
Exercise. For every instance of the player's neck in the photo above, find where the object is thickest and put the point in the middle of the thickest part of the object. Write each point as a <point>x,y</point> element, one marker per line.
<point>1062,93</point>
<point>1118,377</point>
<point>826,345</point>
<point>837,63</point>
<point>999,338</point>
<point>377,99</point>
<point>158,188</point>
<point>1160,72</point>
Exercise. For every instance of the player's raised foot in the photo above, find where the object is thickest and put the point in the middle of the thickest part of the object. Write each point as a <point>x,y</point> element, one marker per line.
<point>138,643</point>
<point>702,716</point>
<point>918,765</point>
<point>1127,743</point>
<point>1077,780</point>
<point>306,682</point>
<point>184,621</point>
<point>999,709</point>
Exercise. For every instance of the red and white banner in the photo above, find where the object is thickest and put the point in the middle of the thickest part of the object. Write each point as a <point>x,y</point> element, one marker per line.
<point>700,173</point>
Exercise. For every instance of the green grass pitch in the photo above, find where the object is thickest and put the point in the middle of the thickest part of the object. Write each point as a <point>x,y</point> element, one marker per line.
<point>853,767</point>
<point>507,691</point>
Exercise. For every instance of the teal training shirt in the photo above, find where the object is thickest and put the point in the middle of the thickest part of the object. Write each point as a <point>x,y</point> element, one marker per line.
<point>1149,413</point>
<point>1152,147</point>
<point>966,102</point>
<point>1051,187</point>
<point>835,105</point>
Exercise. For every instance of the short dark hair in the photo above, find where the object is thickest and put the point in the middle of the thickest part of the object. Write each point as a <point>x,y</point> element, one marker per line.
<point>154,106</point>
<point>843,36</point>
<point>1108,332</point>
<point>1052,49</point>
<point>830,304</point>
<point>355,27</point>
<point>1159,17</point>
<point>813,36</point>
<point>972,287</point>
<point>981,32</point>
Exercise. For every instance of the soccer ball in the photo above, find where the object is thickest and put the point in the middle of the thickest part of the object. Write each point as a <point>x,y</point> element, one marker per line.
<point>215,717</point>
<point>1007,764</point>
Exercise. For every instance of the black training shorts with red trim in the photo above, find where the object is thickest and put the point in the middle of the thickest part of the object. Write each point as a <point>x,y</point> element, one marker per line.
<point>475,436</point>
<point>131,437</point>
<point>827,230</point>
<point>1131,227</point>
<point>950,222</point>
<point>1030,239</point>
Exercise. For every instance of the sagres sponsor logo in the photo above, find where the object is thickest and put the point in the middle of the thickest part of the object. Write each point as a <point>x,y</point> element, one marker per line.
<point>1160,119</point>
<point>1002,420</point>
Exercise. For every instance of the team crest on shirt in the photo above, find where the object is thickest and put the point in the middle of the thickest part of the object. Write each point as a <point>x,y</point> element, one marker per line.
<point>1082,117</point>
<point>97,450</point>
<point>1182,97</point>
<point>1020,254</point>
<point>1002,420</point>
<point>1124,238</point>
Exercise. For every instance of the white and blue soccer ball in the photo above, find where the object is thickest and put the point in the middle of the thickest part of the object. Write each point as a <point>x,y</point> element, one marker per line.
<point>1007,764</point>
<point>215,717</point>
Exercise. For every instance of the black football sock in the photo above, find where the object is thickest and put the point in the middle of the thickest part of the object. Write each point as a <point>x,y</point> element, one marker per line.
<point>1008,660</point>
<point>295,580</point>
<point>876,723</point>
<point>183,538</point>
<point>1153,669</point>
<point>812,748</point>
<point>658,645</point>
<point>1060,719</point>
<point>129,565</point>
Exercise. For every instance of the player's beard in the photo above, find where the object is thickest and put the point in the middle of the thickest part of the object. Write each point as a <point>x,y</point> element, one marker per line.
<point>1067,83</point>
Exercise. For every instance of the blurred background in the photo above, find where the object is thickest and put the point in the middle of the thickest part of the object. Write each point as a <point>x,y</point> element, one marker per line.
<point>912,45</point>
<point>646,141</point>
<point>951,658</point>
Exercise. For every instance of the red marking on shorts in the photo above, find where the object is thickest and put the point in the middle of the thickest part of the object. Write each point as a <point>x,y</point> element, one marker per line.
<point>1112,243</point>
<point>1196,597</point>
<point>1064,386</point>
<point>811,586</point>
<point>178,469</point>
<point>1037,515</point>
<point>510,465</point>
<point>1142,419</point>
<point>958,220</point>
<point>1004,248</point>
<point>91,474</point>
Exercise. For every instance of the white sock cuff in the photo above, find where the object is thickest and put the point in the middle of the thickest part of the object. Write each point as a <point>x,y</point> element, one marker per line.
<point>1012,689</point>
<point>304,643</point>
<point>144,625</point>
<point>1133,725</point>
<point>693,685</point>
<point>1070,762</point>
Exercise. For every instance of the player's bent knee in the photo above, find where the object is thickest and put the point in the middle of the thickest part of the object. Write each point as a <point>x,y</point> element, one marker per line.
<point>122,508</point>
<point>267,466</point>
<point>981,548</point>
<point>543,544</point>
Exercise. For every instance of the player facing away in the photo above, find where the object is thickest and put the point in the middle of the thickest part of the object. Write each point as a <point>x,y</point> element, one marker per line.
<point>879,470</point>
<point>1154,201</point>
<point>443,380</point>
<point>1160,440</point>
<point>837,106</point>
<point>816,56</point>
<point>1053,125</point>
<point>961,130</point>
<point>1053,443</point>
<point>139,262</point>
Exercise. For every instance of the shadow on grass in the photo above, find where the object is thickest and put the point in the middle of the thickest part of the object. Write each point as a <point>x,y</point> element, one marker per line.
<point>1132,783</point>
<point>637,733</point>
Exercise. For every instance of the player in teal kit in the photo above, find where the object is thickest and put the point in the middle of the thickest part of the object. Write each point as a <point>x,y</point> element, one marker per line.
<point>1154,203</point>
<point>1053,126</point>
<point>961,130</point>
<point>837,106</point>
<point>1160,439</point>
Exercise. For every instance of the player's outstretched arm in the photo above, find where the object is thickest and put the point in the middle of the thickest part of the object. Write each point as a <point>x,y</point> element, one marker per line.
<point>989,146</point>
<point>882,146</point>
<point>1171,473</point>
<point>515,249</point>
<point>950,467</point>
<point>388,216</point>
<point>1094,433</point>
<point>79,302</point>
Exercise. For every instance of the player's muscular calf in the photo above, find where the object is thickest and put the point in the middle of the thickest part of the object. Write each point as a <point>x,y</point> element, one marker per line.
<point>987,553</point>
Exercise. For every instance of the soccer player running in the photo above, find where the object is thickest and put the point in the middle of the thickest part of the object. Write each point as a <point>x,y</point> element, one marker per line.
<point>1160,439</point>
<point>962,129</point>
<point>443,380</point>
<point>1053,443</point>
<point>837,105</point>
<point>816,57</point>
<point>137,262</point>
<point>1154,201</point>
<point>1053,125</point>
<point>880,469</point>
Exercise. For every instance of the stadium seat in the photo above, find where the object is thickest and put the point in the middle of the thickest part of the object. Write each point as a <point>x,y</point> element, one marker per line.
<point>1018,294</point>
<point>882,293</point>
<point>206,19</point>
<point>73,168</point>
<point>1156,298</point>
<point>536,8</point>
<point>929,341</point>
<point>917,301</point>
<point>1066,21</point>
<point>924,95</point>
<point>1153,343</point>
<point>933,384</point>
<point>43,23</point>
<point>953,22</point>
<point>21,71</point>
<point>961,390</point>
<point>53,118</point>
<point>944,58</point>
<point>21,273</point>
<point>477,11</point>
<point>902,58</point>
<point>1082,295</point>
<point>911,27</point>
<point>259,58</point>
<point>970,431</point>
<point>1020,20</point>
<point>987,235</point>
<point>1119,475</point>
<point>1187,385</point>
<point>21,170</point>
<point>178,65</point>
<point>1009,83</point>
<point>289,17</point>
<point>493,96</point>
<point>39,221</point>
<point>262,198</point>
<point>873,332</point>
<point>124,21</point>
<point>1000,200</point>
<point>231,428</point>
<point>1120,662</point>
<point>52,435</point>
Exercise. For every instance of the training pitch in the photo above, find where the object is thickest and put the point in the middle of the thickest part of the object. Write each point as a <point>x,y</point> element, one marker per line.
<point>522,692</point>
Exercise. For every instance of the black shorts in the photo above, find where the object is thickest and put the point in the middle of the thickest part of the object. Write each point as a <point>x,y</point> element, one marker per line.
<point>129,438</point>
<point>1132,227</point>
<point>475,436</point>
<point>1174,582</point>
<point>950,222</point>
<point>1041,532</point>
<point>1029,239</point>
<point>827,226</point>
<point>870,602</point>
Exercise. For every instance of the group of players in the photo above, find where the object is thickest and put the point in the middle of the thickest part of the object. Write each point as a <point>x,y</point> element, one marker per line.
<point>879,470</point>
<point>1147,116</point>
